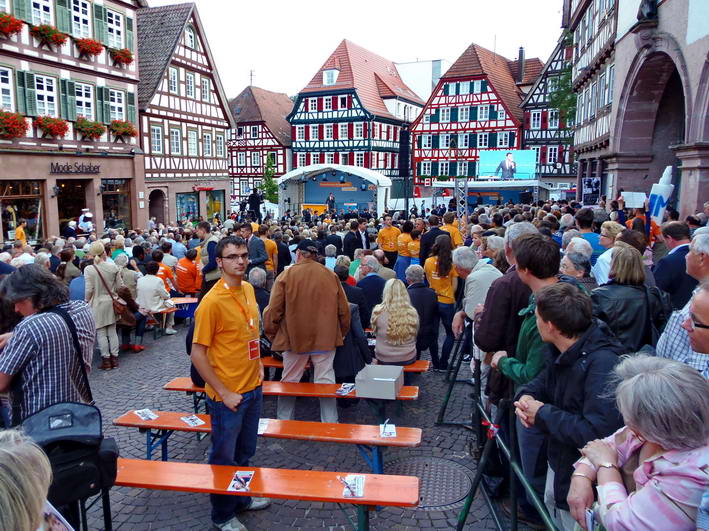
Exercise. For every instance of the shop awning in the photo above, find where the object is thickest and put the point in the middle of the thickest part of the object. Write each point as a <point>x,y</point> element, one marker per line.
<point>318,169</point>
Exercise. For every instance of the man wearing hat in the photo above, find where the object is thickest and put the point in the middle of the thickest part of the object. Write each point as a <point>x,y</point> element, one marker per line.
<point>86,220</point>
<point>70,230</point>
<point>307,318</point>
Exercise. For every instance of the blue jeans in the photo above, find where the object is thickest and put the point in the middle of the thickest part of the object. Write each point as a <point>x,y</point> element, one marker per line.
<point>446,313</point>
<point>234,437</point>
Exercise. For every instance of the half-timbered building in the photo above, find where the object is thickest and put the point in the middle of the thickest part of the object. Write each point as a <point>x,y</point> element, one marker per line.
<point>68,85</point>
<point>474,107</point>
<point>352,112</point>
<point>262,136</point>
<point>545,130</point>
<point>184,116</point>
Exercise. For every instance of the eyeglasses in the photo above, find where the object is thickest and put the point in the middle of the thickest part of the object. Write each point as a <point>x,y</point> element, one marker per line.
<point>694,323</point>
<point>606,235</point>
<point>235,256</point>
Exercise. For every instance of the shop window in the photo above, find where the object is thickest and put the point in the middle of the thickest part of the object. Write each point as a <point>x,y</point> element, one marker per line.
<point>116,203</point>
<point>187,206</point>
<point>215,204</point>
<point>21,200</point>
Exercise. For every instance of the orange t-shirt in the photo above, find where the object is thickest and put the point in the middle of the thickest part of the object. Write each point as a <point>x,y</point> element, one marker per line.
<point>189,279</point>
<point>271,251</point>
<point>654,229</point>
<point>443,286</point>
<point>165,273</point>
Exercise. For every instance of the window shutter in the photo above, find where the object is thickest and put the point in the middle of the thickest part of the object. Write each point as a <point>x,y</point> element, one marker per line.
<point>68,99</point>
<point>512,139</point>
<point>100,25</point>
<point>560,154</point>
<point>545,120</point>
<point>472,168</point>
<point>129,33</point>
<point>492,140</point>
<point>445,89</point>
<point>434,116</point>
<point>434,169</point>
<point>435,141</point>
<point>21,85</point>
<point>418,142</point>
<point>30,95</point>
<point>526,119</point>
<point>453,169</point>
<point>454,114</point>
<point>63,16</point>
<point>320,103</point>
<point>106,104</point>
<point>23,10</point>
<point>130,109</point>
<point>493,112</point>
<point>472,140</point>
<point>543,155</point>
<point>99,104</point>
<point>474,113</point>
<point>483,86</point>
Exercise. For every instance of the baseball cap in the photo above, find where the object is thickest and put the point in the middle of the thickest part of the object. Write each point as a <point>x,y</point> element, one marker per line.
<point>307,245</point>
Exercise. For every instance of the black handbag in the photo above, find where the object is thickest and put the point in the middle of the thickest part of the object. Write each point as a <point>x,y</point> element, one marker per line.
<point>71,434</point>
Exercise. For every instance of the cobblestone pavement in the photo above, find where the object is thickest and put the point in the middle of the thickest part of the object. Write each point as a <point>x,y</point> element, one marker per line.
<point>138,384</point>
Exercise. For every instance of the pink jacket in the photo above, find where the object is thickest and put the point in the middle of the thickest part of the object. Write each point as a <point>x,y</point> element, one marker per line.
<point>669,488</point>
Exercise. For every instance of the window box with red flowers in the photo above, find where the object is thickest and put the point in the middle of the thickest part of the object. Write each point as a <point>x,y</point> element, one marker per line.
<point>121,57</point>
<point>89,130</point>
<point>88,47</point>
<point>12,125</point>
<point>48,35</point>
<point>51,127</point>
<point>122,129</point>
<point>9,25</point>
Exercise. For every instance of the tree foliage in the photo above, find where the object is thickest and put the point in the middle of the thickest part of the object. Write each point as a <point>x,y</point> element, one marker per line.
<point>268,184</point>
<point>563,96</point>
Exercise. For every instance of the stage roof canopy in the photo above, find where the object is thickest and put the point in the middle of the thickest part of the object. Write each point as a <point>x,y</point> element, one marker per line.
<point>318,169</point>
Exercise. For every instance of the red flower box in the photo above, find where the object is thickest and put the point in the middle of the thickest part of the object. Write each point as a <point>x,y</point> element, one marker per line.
<point>9,25</point>
<point>88,129</point>
<point>123,128</point>
<point>54,127</point>
<point>123,56</point>
<point>12,125</point>
<point>88,46</point>
<point>48,35</point>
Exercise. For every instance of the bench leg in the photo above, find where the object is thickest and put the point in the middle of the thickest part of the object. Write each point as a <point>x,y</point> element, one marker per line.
<point>153,440</point>
<point>373,456</point>
<point>362,518</point>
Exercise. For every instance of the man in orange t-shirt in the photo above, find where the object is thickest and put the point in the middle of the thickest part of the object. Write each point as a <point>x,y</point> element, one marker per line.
<point>189,279</point>
<point>165,273</point>
<point>387,239</point>
<point>272,260</point>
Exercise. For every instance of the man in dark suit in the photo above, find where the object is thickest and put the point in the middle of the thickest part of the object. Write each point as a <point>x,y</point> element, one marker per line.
<point>256,247</point>
<point>429,238</point>
<point>334,239</point>
<point>507,167</point>
<point>671,271</point>
<point>352,240</point>
<point>371,284</point>
<point>425,301</point>
<point>255,201</point>
<point>354,295</point>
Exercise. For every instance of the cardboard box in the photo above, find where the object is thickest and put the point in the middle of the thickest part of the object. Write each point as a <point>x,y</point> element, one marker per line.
<point>379,381</point>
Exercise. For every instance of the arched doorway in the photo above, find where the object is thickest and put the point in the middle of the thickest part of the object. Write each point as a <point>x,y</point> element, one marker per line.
<point>652,118</point>
<point>156,205</point>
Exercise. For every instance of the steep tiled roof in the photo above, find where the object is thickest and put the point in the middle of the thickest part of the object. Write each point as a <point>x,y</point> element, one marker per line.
<point>255,104</point>
<point>479,61</point>
<point>159,31</point>
<point>372,76</point>
<point>532,68</point>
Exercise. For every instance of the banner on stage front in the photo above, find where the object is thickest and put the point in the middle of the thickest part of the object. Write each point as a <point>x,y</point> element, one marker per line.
<point>507,165</point>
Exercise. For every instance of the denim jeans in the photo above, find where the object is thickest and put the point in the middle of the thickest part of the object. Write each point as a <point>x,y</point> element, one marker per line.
<point>140,321</point>
<point>446,312</point>
<point>234,437</point>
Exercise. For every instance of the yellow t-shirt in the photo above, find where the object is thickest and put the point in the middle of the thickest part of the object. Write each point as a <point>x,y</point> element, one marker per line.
<point>225,321</point>
<point>20,235</point>
<point>271,251</point>
<point>443,286</point>
<point>403,243</point>
<point>387,237</point>
<point>254,227</point>
<point>414,246</point>
<point>456,236</point>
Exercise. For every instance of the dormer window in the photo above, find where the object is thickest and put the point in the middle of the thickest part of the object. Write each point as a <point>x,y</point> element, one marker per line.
<point>330,76</point>
<point>190,38</point>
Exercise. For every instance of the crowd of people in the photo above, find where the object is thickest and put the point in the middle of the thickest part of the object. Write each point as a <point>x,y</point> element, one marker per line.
<point>591,325</point>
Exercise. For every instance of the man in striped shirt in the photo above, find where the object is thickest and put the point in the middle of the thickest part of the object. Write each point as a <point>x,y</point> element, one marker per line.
<point>38,363</point>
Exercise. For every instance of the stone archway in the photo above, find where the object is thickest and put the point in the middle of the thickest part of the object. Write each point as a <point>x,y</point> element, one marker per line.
<point>157,205</point>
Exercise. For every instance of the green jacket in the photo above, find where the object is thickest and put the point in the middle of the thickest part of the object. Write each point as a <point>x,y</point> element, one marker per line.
<point>529,358</point>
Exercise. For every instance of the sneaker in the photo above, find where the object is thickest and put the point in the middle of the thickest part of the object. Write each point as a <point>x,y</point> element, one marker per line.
<point>138,348</point>
<point>170,331</point>
<point>258,503</point>
<point>231,525</point>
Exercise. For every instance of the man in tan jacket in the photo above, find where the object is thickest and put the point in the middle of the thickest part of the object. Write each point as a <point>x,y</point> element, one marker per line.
<point>307,318</point>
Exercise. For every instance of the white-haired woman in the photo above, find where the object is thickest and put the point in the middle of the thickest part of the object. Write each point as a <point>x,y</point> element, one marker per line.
<point>102,282</point>
<point>664,444</point>
<point>25,476</point>
<point>395,323</point>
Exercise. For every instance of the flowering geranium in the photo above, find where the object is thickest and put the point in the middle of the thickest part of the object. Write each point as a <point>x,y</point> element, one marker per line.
<point>12,125</point>
<point>54,127</point>
<point>47,34</point>
<point>9,25</point>
<point>123,128</point>
<point>123,56</point>
<point>88,129</point>
<point>89,46</point>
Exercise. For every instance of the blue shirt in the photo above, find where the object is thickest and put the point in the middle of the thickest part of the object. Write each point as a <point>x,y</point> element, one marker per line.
<point>77,289</point>
<point>595,241</point>
<point>178,250</point>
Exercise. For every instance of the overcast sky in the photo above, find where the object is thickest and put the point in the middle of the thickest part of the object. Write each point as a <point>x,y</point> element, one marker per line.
<point>285,42</point>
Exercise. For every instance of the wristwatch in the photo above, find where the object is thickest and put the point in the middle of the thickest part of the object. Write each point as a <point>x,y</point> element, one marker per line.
<point>607,465</point>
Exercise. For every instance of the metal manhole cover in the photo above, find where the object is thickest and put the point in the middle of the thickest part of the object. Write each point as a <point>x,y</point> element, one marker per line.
<point>443,482</point>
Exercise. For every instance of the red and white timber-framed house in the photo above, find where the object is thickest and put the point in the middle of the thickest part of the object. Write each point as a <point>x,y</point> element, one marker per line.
<point>545,130</point>
<point>474,107</point>
<point>185,117</point>
<point>50,88</point>
<point>352,112</point>
<point>262,133</point>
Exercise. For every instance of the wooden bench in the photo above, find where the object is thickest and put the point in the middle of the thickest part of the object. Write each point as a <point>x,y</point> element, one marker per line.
<point>367,438</point>
<point>270,362</point>
<point>308,485</point>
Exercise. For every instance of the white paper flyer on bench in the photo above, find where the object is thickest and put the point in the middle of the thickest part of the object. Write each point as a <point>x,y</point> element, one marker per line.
<point>192,420</point>
<point>387,430</point>
<point>145,414</point>
<point>262,426</point>
<point>353,485</point>
<point>241,481</point>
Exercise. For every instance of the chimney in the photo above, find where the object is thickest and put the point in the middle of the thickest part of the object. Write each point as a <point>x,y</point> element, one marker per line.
<point>520,65</point>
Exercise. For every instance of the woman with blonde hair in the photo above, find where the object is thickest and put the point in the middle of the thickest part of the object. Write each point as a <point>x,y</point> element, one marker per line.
<point>25,476</point>
<point>395,323</point>
<point>102,281</point>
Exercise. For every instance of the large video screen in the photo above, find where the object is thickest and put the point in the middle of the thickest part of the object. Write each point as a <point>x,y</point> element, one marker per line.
<point>508,165</point>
